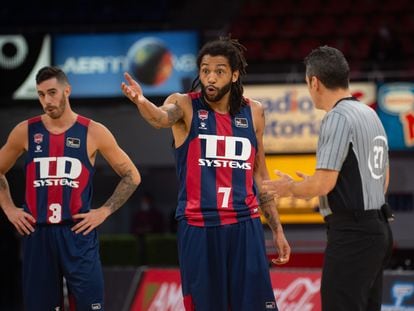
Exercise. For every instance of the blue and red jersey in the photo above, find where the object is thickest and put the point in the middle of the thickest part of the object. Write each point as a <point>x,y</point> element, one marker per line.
<point>58,172</point>
<point>215,167</point>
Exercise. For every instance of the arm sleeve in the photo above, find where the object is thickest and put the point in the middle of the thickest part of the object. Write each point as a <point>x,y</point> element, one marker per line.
<point>334,140</point>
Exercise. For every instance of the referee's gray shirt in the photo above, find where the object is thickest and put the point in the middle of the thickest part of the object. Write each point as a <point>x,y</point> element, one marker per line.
<point>352,141</point>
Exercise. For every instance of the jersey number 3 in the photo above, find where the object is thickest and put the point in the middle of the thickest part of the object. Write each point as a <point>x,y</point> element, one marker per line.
<point>56,210</point>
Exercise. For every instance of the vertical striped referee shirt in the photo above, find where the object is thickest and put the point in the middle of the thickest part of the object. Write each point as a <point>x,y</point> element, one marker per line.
<point>353,142</point>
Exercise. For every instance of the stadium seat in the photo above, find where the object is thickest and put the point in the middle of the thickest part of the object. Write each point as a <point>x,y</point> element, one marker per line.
<point>254,49</point>
<point>293,27</point>
<point>308,7</point>
<point>321,25</point>
<point>240,28</point>
<point>305,46</point>
<point>351,25</point>
<point>392,7</point>
<point>280,8</point>
<point>278,50</point>
<point>264,27</point>
<point>337,7</point>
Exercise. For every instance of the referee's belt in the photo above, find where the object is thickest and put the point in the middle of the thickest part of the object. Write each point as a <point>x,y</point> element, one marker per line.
<point>354,215</point>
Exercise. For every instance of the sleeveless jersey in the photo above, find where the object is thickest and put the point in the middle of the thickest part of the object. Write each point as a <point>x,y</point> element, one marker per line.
<point>215,167</point>
<point>58,172</point>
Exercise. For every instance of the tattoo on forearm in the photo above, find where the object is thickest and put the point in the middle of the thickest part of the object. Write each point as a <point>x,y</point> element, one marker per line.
<point>265,197</point>
<point>267,202</point>
<point>3,183</point>
<point>122,192</point>
<point>155,121</point>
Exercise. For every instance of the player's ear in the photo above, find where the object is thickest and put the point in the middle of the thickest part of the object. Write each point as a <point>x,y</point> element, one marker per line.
<point>68,90</point>
<point>314,82</point>
<point>235,76</point>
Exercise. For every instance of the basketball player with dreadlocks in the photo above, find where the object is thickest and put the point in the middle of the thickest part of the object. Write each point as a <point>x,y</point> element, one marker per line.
<point>218,137</point>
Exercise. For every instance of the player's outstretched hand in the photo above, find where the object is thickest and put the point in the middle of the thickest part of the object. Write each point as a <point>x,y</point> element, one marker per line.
<point>132,89</point>
<point>89,221</point>
<point>21,220</point>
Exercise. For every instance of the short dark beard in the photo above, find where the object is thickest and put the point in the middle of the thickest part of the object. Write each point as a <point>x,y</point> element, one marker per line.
<point>60,109</point>
<point>221,92</point>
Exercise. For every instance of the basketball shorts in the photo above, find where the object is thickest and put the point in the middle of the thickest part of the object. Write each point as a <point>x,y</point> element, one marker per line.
<point>53,252</point>
<point>225,267</point>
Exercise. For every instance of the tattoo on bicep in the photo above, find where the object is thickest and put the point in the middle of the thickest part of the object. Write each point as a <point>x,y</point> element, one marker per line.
<point>122,192</point>
<point>174,113</point>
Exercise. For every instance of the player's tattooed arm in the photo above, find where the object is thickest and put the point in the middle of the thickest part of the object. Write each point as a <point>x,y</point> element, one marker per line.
<point>268,208</point>
<point>166,115</point>
<point>3,183</point>
<point>5,196</point>
<point>124,189</point>
<point>267,204</point>
<point>174,113</point>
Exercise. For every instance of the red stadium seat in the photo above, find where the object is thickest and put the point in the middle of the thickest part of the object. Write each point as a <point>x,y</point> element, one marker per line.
<point>365,7</point>
<point>293,27</point>
<point>278,50</point>
<point>281,8</point>
<point>254,49</point>
<point>320,26</point>
<point>264,27</point>
<point>253,9</point>
<point>305,46</point>
<point>341,43</point>
<point>240,28</point>
<point>395,6</point>
<point>375,22</point>
<point>308,7</point>
<point>407,45</point>
<point>351,25</point>
<point>406,23</point>
<point>336,7</point>
<point>361,48</point>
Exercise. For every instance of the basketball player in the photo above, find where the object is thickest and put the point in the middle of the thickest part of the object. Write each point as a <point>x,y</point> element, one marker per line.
<point>220,165</point>
<point>351,178</point>
<point>57,221</point>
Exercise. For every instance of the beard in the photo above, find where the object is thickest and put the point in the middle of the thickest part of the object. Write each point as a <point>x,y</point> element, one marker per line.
<point>57,112</point>
<point>219,95</point>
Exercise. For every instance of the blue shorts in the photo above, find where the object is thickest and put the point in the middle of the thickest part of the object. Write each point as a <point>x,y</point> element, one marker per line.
<point>53,252</point>
<point>225,268</point>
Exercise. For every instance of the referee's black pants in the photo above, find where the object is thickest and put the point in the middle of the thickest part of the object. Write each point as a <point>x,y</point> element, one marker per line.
<point>358,248</point>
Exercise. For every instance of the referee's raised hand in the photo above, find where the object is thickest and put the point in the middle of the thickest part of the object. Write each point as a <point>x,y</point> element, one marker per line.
<point>280,187</point>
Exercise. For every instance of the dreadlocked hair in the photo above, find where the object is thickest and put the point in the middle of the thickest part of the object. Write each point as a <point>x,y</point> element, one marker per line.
<point>233,50</point>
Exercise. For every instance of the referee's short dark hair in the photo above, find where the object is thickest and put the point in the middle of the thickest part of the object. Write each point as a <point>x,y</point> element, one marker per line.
<point>329,65</point>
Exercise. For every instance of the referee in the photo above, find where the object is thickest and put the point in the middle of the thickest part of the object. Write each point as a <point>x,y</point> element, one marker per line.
<point>351,179</point>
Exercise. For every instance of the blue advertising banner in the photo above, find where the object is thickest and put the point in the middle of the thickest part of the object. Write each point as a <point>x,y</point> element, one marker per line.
<point>162,62</point>
<point>396,111</point>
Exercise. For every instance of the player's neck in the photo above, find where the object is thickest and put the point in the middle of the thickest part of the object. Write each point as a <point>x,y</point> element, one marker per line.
<point>222,106</point>
<point>61,124</point>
